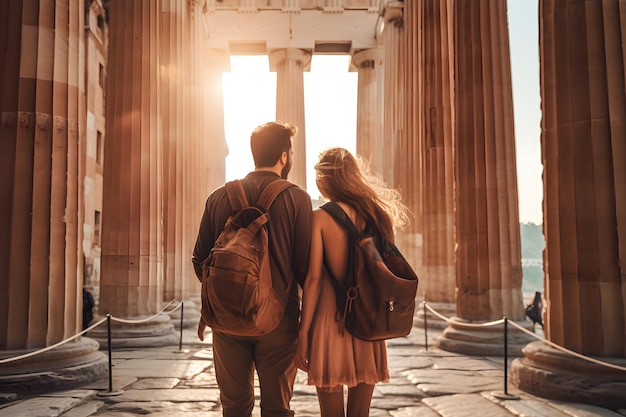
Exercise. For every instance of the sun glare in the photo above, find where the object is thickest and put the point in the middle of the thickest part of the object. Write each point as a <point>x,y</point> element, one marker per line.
<point>330,96</point>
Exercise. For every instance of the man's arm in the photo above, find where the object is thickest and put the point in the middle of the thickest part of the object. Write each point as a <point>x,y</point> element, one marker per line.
<point>216,212</point>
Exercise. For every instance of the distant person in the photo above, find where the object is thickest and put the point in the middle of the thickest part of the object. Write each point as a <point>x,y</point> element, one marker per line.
<point>88,305</point>
<point>535,309</point>
<point>333,357</point>
<point>289,233</point>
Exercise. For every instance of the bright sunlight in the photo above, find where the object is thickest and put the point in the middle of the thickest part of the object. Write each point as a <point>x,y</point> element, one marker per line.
<point>330,93</point>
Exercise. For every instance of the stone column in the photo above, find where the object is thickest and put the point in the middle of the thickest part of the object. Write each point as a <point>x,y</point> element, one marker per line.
<point>131,284</point>
<point>42,147</point>
<point>488,255</point>
<point>401,163</point>
<point>367,62</point>
<point>393,106</point>
<point>290,65</point>
<point>206,151</point>
<point>584,207</point>
<point>214,138</point>
<point>175,105</point>
<point>436,133</point>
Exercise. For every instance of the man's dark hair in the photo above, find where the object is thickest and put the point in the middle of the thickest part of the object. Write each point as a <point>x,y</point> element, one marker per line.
<point>269,141</point>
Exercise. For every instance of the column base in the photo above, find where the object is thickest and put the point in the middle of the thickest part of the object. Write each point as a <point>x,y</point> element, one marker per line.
<point>550,373</point>
<point>487,341</point>
<point>191,315</point>
<point>68,366</point>
<point>157,332</point>
<point>432,321</point>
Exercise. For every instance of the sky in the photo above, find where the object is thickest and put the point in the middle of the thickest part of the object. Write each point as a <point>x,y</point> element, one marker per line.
<point>330,93</point>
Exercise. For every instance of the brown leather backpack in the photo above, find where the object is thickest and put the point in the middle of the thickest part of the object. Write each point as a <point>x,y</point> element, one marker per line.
<point>237,293</point>
<point>377,299</point>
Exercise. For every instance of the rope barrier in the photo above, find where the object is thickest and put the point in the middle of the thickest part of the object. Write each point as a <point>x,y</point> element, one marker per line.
<point>93,326</point>
<point>505,320</point>
<point>148,318</point>
<point>461,323</point>
<point>571,352</point>
<point>62,342</point>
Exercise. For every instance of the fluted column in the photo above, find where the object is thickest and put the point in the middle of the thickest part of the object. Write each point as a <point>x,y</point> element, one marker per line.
<point>290,64</point>
<point>206,151</point>
<point>393,115</point>
<point>214,174</point>
<point>42,146</point>
<point>436,133</point>
<point>174,22</point>
<point>584,206</point>
<point>488,255</point>
<point>401,162</point>
<point>367,62</point>
<point>131,284</point>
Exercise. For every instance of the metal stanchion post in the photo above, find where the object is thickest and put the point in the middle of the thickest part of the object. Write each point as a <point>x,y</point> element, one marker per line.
<point>180,340</point>
<point>505,395</point>
<point>110,352</point>
<point>110,392</point>
<point>182,313</point>
<point>425,327</point>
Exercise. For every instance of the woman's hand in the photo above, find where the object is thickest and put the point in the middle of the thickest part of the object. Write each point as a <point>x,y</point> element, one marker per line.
<point>302,353</point>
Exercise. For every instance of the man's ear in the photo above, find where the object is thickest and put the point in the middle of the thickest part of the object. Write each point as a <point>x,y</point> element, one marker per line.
<point>283,158</point>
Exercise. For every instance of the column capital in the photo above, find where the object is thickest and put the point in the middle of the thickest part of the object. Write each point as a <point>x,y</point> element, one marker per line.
<point>199,3</point>
<point>365,58</point>
<point>301,56</point>
<point>393,13</point>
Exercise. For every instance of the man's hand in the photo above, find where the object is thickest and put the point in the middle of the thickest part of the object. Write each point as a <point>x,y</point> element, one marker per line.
<point>201,329</point>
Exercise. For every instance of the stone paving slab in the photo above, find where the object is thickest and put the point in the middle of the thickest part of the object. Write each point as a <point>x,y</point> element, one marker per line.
<point>418,411</point>
<point>146,368</point>
<point>119,382</point>
<point>465,405</point>
<point>85,409</point>
<point>170,352</point>
<point>161,382</point>
<point>583,410</point>
<point>189,395</point>
<point>155,383</point>
<point>40,407</point>
<point>435,383</point>
<point>204,379</point>
<point>162,409</point>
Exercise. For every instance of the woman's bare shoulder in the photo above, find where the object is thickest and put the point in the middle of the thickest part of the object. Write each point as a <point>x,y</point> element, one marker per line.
<point>321,216</point>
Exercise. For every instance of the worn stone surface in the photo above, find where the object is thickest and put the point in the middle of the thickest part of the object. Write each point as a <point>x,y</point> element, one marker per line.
<point>465,405</point>
<point>161,382</point>
<point>40,407</point>
<point>155,383</point>
<point>160,368</point>
<point>85,409</point>
<point>174,395</point>
<point>6,397</point>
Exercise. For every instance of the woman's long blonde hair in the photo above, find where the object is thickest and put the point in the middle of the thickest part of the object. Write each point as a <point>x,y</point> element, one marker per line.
<point>342,177</point>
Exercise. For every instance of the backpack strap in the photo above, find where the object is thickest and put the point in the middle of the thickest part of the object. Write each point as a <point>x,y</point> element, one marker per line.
<point>236,195</point>
<point>270,193</point>
<point>341,217</point>
<point>341,291</point>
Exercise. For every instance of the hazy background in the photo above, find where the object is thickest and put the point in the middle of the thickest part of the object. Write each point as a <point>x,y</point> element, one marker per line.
<point>330,118</point>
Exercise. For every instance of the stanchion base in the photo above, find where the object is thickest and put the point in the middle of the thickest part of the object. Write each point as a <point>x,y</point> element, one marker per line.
<point>504,396</point>
<point>113,393</point>
<point>181,351</point>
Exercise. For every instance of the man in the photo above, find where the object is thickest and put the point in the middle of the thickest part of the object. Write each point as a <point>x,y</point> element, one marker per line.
<point>289,231</point>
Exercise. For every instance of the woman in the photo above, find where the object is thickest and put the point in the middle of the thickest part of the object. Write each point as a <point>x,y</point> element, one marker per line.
<point>332,357</point>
